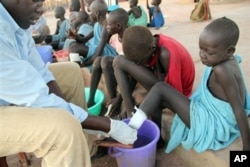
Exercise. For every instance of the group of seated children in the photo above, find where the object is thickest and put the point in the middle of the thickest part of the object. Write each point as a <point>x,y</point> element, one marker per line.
<point>123,49</point>
<point>138,16</point>
<point>65,28</point>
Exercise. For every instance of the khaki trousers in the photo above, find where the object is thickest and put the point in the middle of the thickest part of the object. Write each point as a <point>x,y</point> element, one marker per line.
<point>53,134</point>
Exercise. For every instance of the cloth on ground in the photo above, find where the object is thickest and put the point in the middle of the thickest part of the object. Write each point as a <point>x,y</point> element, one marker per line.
<point>212,122</point>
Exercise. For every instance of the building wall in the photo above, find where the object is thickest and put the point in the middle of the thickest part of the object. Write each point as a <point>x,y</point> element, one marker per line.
<point>51,4</point>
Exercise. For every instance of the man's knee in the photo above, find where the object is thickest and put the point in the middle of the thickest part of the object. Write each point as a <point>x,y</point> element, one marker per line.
<point>64,121</point>
<point>71,67</point>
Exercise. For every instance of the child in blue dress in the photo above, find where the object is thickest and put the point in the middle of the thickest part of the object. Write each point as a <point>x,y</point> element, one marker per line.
<point>57,40</point>
<point>156,18</point>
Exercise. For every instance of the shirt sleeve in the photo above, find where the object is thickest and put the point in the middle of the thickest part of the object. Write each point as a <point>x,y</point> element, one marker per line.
<point>24,76</point>
<point>27,88</point>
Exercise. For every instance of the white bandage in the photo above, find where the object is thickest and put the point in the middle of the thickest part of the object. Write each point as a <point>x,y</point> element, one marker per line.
<point>137,119</point>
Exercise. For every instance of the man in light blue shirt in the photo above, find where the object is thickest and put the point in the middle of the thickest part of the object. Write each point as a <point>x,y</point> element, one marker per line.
<point>38,114</point>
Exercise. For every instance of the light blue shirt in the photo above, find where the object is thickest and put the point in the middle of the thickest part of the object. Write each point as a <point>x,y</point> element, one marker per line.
<point>23,74</point>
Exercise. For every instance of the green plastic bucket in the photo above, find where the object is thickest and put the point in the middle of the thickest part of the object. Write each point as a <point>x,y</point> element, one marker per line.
<point>99,97</point>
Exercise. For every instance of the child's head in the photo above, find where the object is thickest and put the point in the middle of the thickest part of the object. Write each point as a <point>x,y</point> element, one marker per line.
<point>98,9</point>
<point>218,40</point>
<point>87,4</point>
<point>133,3</point>
<point>59,12</point>
<point>117,21</point>
<point>74,6</point>
<point>82,17</point>
<point>137,44</point>
<point>156,2</point>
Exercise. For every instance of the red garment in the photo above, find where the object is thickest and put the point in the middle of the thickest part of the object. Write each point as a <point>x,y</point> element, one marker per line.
<point>181,71</point>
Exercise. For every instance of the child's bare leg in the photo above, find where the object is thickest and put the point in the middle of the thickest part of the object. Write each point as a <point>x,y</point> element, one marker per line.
<point>95,79</point>
<point>111,86</point>
<point>123,68</point>
<point>163,93</point>
<point>108,72</point>
<point>156,117</point>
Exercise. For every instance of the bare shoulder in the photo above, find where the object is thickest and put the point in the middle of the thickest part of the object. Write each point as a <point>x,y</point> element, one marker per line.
<point>226,80</point>
<point>227,68</point>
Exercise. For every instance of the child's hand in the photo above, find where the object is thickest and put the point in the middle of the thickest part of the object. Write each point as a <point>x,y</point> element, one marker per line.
<point>125,114</point>
<point>116,105</point>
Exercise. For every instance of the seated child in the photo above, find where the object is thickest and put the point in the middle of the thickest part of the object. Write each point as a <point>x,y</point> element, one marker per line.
<point>98,45</point>
<point>62,26</point>
<point>148,61</point>
<point>156,18</point>
<point>117,22</point>
<point>81,29</point>
<point>216,114</point>
<point>137,15</point>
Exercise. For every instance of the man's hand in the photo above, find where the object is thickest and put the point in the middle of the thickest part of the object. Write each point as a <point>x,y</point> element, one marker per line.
<point>121,132</point>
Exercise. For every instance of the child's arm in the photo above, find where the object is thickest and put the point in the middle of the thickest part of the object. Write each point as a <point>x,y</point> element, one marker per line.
<point>229,84</point>
<point>84,39</point>
<point>130,11</point>
<point>57,27</point>
<point>147,5</point>
<point>137,12</point>
<point>149,12</point>
<point>82,5</point>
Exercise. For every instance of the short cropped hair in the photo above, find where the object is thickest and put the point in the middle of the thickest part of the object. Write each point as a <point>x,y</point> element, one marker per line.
<point>60,10</point>
<point>121,15</point>
<point>157,2</point>
<point>83,16</point>
<point>226,29</point>
<point>137,43</point>
<point>76,5</point>
<point>99,5</point>
<point>135,2</point>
